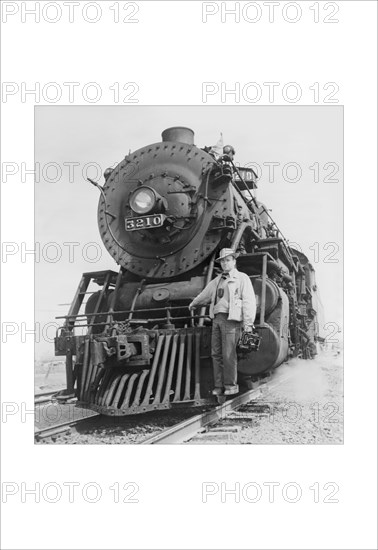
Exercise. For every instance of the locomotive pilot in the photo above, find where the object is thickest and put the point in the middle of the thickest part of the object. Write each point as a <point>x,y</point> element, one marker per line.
<point>232,308</point>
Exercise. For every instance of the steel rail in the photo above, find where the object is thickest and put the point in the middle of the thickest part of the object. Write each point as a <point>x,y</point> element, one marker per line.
<point>44,397</point>
<point>188,428</point>
<point>62,427</point>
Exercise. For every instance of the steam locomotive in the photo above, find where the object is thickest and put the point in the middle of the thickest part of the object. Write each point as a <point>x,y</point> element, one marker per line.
<point>164,213</point>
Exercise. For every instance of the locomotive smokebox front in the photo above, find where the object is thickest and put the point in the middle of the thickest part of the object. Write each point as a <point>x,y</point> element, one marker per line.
<point>157,206</point>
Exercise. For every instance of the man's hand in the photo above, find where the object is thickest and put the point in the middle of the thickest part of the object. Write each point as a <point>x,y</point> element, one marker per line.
<point>248,328</point>
<point>191,307</point>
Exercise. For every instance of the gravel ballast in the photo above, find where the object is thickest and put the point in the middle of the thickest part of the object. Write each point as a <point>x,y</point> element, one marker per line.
<point>307,408</point>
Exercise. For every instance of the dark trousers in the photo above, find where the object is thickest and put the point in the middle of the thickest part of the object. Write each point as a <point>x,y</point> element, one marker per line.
<point>224,338</point>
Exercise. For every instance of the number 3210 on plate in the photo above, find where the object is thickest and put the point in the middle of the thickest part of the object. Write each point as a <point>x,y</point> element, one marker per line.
<point>144,222</point>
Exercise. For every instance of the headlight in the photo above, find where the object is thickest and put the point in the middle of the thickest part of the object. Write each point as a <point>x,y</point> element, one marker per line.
<point>143,200</point>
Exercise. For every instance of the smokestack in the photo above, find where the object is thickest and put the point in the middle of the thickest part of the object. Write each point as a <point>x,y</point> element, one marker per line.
<point>178,133</point>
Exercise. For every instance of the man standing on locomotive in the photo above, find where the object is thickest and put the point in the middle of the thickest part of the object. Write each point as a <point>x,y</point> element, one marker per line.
<point>232,308</point>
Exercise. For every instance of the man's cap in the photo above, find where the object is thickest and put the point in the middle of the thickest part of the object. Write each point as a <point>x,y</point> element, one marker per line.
<point>226,252</point>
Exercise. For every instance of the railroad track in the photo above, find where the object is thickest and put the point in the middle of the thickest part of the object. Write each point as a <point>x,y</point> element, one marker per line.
<point>45,397</point>
<point>61,428</point>
<point>57,429</point>
<point>49,399</point>
<point>203,427</point>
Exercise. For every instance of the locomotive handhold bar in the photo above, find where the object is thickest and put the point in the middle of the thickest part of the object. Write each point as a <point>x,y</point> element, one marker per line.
<point>208,279</point>
<point>239,233</point>
<point>100,298</point>
<point>114,297</point>
<point>145,321</point>
<point>107,213</point>
<point>139,290</point>
<point>120,312</point>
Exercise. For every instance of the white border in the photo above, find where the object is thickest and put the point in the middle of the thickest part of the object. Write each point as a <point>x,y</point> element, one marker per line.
<point>169,53</point>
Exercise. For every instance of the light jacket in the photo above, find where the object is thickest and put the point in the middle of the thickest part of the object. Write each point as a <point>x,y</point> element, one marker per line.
<point>242,306</point>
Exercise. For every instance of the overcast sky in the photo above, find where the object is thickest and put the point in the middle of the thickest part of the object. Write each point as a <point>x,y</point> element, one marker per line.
<point>71,142</point>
